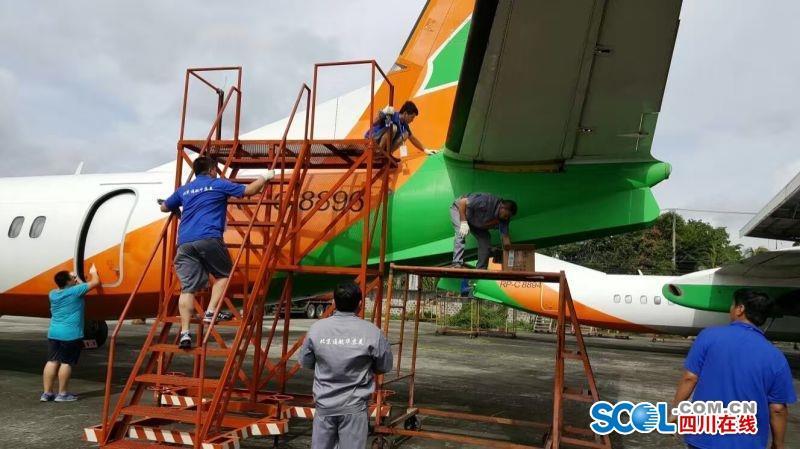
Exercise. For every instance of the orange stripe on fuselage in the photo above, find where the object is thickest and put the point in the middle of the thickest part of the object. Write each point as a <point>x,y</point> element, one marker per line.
<point>543,300</point>
<point>30,297</point>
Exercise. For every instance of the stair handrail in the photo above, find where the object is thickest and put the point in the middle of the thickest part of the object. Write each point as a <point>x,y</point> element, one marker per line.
<point>304,88</point>
<point>247,305</point>
<point>107,421</point>
<point>217,122</point>
<point>121,321</point>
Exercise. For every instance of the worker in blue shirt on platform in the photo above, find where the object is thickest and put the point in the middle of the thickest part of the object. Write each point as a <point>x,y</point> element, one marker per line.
<point>201,249</point>
<point>395,125</point>
<point>65,336</point>
<point>737,363</point>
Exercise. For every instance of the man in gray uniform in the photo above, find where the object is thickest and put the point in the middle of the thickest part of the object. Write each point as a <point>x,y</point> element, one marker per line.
<point>345,352</point>
<point>478,213</point>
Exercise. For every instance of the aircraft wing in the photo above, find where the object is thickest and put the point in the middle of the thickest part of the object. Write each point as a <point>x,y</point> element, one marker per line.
<point>555,82</point>
<point>783,264</point>
<point>776,273</point>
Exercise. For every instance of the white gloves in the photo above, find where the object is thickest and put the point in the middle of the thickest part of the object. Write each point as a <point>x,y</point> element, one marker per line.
<point>463,229</point>
<point>93,269</point>
<point>269,175</point>
<point>388,110</point>
<point>430,152</point>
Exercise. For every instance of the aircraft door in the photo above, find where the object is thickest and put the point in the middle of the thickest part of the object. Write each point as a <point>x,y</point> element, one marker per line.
<point>102,236</point>
<point>548,296</point>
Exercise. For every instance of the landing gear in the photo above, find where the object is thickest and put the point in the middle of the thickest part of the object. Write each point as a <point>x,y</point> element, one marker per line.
<point>320,310</point>
<point>381,443</point>
<point>95,334</point>
<point>412,423</point>
<point>311,310</point>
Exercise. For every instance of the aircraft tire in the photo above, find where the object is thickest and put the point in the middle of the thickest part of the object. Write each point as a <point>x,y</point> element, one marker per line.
<point>320,310</point>
<point>311,311</point>
<point>380,443</point>
<point>412,423</point>
<point>95,334</point>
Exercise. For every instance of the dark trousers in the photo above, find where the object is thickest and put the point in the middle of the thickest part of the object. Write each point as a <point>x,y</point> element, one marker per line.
<point>460,243</point>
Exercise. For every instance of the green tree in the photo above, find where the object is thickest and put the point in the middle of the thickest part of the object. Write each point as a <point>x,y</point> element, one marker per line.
<point>698,246</point>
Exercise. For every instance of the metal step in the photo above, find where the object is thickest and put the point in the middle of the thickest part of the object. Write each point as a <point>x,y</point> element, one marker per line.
<point>275,180</point>
<point>174,349</point>
<point>257,224</point>
<point>184,416</point>
<point>229,323</point>
<point>259,161</point>
<point>136,444</point>
<point>252,201</point>
<point>577,395</point>
<point>179,381</point>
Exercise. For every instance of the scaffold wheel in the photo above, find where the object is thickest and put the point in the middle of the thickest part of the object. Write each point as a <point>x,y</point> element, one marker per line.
<point>412,423</point>
<point>380,443</point>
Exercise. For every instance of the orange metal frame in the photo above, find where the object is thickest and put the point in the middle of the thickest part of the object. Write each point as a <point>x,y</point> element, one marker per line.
<point>555,434</point>
<point>267,256</point>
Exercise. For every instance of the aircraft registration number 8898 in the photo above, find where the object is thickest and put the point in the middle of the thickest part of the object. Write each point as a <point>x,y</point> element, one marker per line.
<point>338,201</point>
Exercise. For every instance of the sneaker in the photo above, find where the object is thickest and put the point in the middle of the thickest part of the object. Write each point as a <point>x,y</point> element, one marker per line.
<point>47,397</point>
<point>66,397</point>
<point>221,316</point>
<point>186,340</point>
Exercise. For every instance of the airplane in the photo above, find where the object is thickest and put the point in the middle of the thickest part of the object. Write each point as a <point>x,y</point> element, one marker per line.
<point>630,303</point>
<point>551,104</point>
<point>775,273</point>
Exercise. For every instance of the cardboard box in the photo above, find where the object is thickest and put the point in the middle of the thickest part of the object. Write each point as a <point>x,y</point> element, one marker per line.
<point>520,258</point>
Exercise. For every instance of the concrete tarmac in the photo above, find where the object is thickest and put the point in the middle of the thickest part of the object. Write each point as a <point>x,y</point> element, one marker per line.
<point>509,378</point>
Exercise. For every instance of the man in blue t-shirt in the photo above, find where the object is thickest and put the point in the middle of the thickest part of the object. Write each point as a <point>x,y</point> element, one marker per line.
<point>737,363</point>
<point>65,336</point>
<point>201,250</point>
<point>398,123</point>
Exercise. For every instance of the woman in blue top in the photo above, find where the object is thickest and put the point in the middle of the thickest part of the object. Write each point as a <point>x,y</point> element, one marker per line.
<point>398,123</point>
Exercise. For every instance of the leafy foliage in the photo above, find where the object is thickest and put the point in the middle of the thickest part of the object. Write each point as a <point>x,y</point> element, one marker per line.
<point>698,246</point>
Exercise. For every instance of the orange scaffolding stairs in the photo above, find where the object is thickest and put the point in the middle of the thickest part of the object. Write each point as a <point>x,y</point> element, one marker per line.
<point>215,394</point>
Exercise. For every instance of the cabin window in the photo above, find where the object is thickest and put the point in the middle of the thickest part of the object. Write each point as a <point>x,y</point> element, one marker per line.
<point>16,226</point>
<point>628,299</point>
<point>657,300</point>
<point>617,299</point>
<point>37,226</point>
<point>643,299</point>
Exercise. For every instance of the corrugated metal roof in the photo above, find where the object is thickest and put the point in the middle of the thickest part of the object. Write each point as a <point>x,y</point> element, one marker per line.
<point>780,218</point>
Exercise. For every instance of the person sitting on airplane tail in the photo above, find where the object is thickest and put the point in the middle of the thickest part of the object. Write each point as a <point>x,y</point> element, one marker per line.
<point>478,213</point>
<point>201,249</point>
<point>394,125</point>
<point>737,363</point>
<point>65,336</point>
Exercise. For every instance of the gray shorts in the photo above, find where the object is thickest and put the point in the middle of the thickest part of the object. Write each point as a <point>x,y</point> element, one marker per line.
<point>196,260</point>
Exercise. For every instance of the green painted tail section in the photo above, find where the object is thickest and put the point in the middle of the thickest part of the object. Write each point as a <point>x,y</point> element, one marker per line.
<point>583,201</point>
